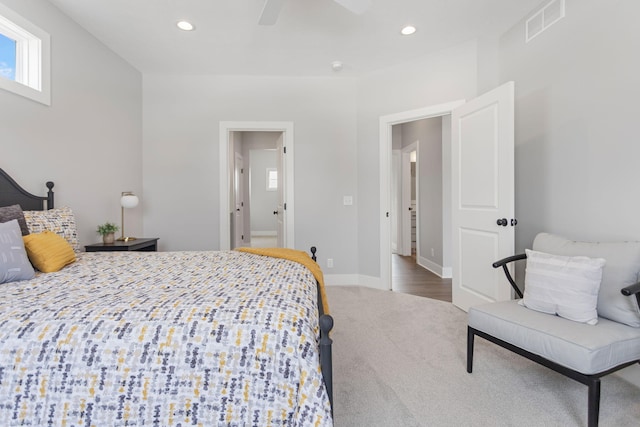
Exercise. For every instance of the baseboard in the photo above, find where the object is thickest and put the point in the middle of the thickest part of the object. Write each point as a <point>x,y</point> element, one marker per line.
<point>440,271</point>
<point>353,280</point>
<point>267,233</point>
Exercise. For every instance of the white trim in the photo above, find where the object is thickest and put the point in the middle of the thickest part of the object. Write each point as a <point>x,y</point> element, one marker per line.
<point>267,233</point>
<point>33,57</point>
<point>225,128</point>
<point>352,280</point>
<point>543,22</point>
<point>386,122</point>
<point>268,187</point>
<point>437,269</point>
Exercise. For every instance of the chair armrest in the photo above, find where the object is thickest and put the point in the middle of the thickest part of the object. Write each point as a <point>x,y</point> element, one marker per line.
<point>632,290</point>
<point>509,259</point>
<point>503,263</point>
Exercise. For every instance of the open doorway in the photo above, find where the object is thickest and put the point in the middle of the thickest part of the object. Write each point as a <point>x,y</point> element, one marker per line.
<point>419,241</point>
<point>256,186</point>
<point>242,137</point>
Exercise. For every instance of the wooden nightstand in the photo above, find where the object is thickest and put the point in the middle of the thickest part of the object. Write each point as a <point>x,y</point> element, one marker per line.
<point>142,245</point>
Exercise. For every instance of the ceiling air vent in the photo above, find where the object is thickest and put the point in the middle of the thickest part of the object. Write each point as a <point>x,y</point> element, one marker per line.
<point>551,13</point>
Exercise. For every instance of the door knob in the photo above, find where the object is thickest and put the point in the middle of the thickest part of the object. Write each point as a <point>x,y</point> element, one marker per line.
<point>502,221</point>
<point>275,212</point>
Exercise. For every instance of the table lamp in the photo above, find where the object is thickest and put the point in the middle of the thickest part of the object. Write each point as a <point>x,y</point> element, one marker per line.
<point>128,200</point>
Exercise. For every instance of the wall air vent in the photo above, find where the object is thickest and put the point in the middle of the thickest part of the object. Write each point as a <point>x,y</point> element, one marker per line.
<point>551,13</point>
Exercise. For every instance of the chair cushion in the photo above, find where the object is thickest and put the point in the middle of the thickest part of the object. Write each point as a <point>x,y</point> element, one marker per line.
<point>589,349</point>
<point>621,270</point>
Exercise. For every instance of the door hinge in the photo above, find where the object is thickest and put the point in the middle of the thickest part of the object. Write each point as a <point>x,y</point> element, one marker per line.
<point>285,207</point>
<point>242,204</point>
<point>241,170</point>
<point>284,149</point>
<point>242,238</point>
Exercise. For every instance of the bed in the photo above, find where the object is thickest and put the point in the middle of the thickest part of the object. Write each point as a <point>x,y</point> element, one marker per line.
<point>202,338</point>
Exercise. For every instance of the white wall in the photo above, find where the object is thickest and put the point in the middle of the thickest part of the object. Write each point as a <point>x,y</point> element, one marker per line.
<point>576,123</point>
<point>435,79</point>
<point>89,140</point>
<point>180,152</point>
<point>576,128</point>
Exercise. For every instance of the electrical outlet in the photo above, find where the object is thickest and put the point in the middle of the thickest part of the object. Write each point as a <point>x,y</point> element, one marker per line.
<point>329,262</point>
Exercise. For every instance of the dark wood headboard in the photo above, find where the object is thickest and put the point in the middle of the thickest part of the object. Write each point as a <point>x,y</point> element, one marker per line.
<point>11,194</point>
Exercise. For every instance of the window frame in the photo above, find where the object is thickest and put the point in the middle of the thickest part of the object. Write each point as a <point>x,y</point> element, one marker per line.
<point>33,57</point>
<point>269,180</point>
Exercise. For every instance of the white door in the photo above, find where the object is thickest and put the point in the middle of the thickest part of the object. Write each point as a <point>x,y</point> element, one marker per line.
<point>482,194</point>
<point>238,185</point>
<point>281,211</point>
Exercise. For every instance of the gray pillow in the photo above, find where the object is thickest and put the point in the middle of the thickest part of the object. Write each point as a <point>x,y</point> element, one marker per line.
<point>14,263</point>
<point>7,213</point>
<point>622,269</point>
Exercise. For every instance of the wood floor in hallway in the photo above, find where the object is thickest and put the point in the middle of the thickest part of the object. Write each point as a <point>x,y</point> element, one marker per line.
<point>410,278</point>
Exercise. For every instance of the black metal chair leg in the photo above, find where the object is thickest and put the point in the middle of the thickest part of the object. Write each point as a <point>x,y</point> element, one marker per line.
<point>470,337</point>
<point>594,403</point>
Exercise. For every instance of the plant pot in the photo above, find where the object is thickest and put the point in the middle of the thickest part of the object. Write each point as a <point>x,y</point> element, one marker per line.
<point>108,238</point>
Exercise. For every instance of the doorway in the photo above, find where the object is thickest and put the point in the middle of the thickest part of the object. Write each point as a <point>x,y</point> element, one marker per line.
<point>481,189</point>
<point>386,144</point>
<point>418,239</point>
<point>231,134</point>
<point>263,195</point>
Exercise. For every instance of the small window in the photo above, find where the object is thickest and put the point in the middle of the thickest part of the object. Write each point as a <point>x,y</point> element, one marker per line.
<point>24,57</point>
<point>272,179</point>
<point>7,57</point>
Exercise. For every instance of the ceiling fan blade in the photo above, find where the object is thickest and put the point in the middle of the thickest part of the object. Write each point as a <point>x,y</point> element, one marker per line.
<point>270,12</point>
<point>355,6</point>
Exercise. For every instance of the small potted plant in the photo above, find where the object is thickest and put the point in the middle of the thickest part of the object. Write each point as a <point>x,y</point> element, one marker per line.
<point>107,231</point>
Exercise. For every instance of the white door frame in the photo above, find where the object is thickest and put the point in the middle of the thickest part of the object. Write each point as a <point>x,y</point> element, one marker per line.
<point>224,137</point>
<point>386,123</point>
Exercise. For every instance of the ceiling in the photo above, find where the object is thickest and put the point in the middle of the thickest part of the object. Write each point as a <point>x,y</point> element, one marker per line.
<point>307,37</point>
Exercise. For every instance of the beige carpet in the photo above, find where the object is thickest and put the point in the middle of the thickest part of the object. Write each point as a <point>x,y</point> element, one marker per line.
<point>400,360</point>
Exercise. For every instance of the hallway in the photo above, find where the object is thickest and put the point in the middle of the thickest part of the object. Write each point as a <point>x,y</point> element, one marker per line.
<point>409,278</point>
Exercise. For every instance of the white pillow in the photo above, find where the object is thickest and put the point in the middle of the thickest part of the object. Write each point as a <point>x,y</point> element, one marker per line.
<point>563,285</point>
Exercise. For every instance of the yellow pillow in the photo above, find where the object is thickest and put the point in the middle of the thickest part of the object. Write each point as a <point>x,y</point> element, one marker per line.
<point>48,252</point>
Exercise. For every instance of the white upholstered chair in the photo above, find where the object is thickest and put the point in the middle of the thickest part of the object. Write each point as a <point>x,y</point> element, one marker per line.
<point>582,351</point>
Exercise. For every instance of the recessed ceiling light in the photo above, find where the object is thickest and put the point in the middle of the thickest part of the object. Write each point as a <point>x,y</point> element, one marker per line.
<point>408,30</point>
<point>336,65</point>
<point>186,26</point>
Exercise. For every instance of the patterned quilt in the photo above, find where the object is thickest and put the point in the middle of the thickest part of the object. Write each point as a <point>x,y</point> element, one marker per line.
<point>163,339</point>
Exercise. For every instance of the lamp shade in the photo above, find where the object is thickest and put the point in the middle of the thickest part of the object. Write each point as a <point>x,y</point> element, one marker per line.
<point>129,200</point>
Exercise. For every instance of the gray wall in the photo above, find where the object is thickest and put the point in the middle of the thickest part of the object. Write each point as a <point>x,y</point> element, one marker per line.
<point>435,79</point>
<point>429,134</point>
<point>181,149</point>
<point>576,85</point>
<point>89,140</point>
<point>576,123</point>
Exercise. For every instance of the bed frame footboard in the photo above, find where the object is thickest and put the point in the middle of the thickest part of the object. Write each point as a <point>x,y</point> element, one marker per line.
<point>326,324</point>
